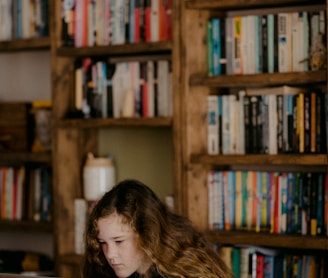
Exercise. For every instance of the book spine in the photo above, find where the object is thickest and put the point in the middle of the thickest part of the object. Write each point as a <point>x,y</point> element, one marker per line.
<point>216,46</point>
<point>212,125</point>
<point>229,27</point>
<point>264,29</point>
<point>80,215</point>
<point>209,44</point>
<point>211,199</point>
<point>320,204</point>
<point>237,35</point>
<point>284,45</point>
<point>219,201</point>
<point>270,44</point>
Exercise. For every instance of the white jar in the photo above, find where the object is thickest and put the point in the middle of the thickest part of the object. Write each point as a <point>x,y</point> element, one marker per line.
<point>98,177</point>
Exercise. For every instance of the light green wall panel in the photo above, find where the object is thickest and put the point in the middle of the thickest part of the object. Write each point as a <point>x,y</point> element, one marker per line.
<point>141,153</point>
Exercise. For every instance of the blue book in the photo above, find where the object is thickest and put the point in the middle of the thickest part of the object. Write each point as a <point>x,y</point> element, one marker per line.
<point>19,27</point>
<point>320,204</point>
<point>268,271</point>
<point>216,46</point>
<point>290,202</point>
<point>209,42</point>
<point>232,197</point>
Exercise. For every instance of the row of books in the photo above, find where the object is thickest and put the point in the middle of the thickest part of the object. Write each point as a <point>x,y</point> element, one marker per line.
<point>279,203</point>
<point>105,22</point>
<point>252,262</point>
<point>21,19</point>
<point>124,89</point>
<point>266,43</point>
<point>268,120</point>
<point>25,194</point>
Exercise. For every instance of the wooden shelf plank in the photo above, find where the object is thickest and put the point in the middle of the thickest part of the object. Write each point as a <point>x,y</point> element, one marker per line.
<point>269,240</point>
<point>244,4</point>
<point>26,226</point>
<point>25,44</point>
<point>125,49</point>
<point>263,159</point>
<point>22,157</point>
<point>110,122</point>
<point>71,259</point>
<point>259,80</point>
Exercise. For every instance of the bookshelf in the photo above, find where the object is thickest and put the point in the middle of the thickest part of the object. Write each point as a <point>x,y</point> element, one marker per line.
<point>75,137</point>
<point>16,56</point>
<point>196,86</point>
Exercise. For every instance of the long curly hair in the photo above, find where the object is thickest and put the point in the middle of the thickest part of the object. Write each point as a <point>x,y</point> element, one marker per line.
<point>168,240</point>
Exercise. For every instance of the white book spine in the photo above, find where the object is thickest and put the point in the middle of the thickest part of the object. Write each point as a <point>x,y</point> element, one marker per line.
<point>150,84</point>
<point>163,87</point>
<point>154,31</point>
<point>284,42</point>
<point>9,190</point>
<point>80,218</point>
<point>226,125</point>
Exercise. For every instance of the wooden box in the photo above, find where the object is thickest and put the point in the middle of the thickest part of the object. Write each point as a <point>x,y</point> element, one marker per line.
<point>16,126</point>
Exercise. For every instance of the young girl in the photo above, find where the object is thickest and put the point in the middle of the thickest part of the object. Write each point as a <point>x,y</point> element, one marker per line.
<point>131,233</point>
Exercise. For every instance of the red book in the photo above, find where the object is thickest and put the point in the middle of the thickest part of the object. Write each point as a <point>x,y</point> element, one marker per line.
<point>147,21</point>
<point>259,266</point>
<point>168,19</point>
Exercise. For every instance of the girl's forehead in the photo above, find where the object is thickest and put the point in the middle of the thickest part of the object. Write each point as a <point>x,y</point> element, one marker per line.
<point>115,222</point>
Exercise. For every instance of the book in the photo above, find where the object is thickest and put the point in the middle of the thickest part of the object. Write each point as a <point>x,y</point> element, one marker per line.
<point>219,201</point>
<point>229,44</point>
<point>237,35</point>
<point>217,46</point>
<point>80,218</point>
<point>212,125</point>
<point>320,203</point>
<point>211,199</point>
<point>284,42</point>
<point>209,45</point>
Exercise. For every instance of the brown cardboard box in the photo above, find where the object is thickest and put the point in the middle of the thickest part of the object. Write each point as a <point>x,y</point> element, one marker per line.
<point>16,126</point>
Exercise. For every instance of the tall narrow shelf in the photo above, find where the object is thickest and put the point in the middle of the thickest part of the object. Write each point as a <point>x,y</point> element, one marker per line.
<point>19,234</point>
<point>196,86</point>
<point>74,138</point>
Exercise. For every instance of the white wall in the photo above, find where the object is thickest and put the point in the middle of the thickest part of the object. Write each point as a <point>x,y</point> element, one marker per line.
<point>25,76</point>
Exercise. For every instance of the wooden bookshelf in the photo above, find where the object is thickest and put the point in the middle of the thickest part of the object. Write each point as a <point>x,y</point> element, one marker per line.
<point>124,49</point>
<point>268,240</point>
<point>196,85</point>
<point>111,122</point>
<point>25,157</point>
<point>259,80</point>
<point>26,226</point>
<point>32,44</point>
<point>75,137</point>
